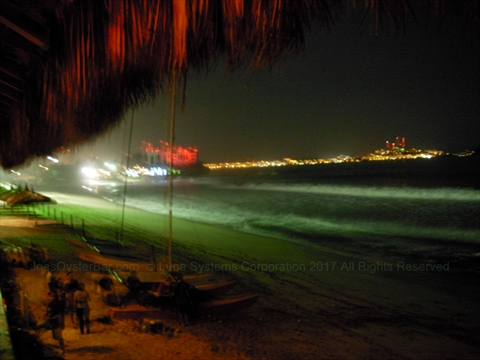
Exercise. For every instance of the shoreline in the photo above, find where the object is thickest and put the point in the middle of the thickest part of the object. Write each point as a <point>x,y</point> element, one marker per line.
<point>138,222</point>
<point>334,304</point>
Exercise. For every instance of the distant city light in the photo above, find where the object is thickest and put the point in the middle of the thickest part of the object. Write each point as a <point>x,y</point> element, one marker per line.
<point>155,171</point>
<point>52,159</point>
<point>110,166</point>
<point>131,173</point>
<point>378,155</point>
<point>105,173</point>
<point>90,173</point>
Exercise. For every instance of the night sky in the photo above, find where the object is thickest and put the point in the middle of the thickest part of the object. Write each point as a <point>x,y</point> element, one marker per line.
<point>347,93</point>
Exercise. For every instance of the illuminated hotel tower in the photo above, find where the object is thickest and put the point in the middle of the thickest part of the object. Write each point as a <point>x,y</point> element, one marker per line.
<point>182,157</point>
<point>399,144</point>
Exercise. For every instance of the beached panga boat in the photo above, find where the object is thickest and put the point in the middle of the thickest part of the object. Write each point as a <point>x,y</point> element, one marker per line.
<point>230,305</point>
<point>151,277</point>
<point>119,261</point>
<point>150,280</point>
<point>205,291</point>
<point>123,263</point>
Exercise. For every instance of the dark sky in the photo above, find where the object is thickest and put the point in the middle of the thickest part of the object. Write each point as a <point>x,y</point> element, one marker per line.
<point>347,93</point>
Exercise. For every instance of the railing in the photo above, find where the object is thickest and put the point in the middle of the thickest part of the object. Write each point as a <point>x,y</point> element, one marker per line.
<point>78,225</point>
<point>108,230</point>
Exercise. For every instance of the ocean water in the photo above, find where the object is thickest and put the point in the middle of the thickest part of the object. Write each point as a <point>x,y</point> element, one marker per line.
<point>427,209</point>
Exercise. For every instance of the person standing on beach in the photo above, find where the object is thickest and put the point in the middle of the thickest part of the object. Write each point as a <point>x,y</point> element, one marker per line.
<point>133,283</point>
<point>165,288</point>
<point>164,293</point>
<point>55,319</point>
<point>55,285</point>
<point>107,290</point>
<point>70,285</point>
<point>183,300</point>
<point>80,301</point>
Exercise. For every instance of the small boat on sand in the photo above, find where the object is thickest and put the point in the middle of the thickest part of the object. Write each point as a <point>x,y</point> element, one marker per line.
<point>214,307</point>
<point>228,305</point>
<point>214,289</point>
<point>123,262</point>
<point>108,263</point>
<point>203,292</point>
<point>152,277</point>
<point>118,260</point>
<point>120,267</point>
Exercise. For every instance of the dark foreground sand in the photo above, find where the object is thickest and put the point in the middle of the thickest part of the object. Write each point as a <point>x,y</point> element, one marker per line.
<point>316,303</point>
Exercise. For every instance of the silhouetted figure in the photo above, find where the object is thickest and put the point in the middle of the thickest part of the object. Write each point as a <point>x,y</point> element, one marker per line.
<point>107,287</point>
<point>133,284</point>
<point>165,288</point>
<point>163,293</point>
<point>183,300</point>
<point>80,301</point>
<point>135,290</point>
<point>55,285</point>
<point>54,318</point>
<point>70,285</point>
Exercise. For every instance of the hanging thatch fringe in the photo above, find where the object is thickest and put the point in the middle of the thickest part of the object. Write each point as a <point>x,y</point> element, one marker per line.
<point>105,56</point>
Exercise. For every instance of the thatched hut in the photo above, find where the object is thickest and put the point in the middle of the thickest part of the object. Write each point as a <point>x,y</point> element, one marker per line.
<point>71,68</point>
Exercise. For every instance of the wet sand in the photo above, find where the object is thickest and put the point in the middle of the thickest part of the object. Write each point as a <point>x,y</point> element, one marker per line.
<point>315,302</point>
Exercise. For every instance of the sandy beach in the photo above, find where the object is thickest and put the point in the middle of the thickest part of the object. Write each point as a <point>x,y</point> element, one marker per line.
<point>315,302</point>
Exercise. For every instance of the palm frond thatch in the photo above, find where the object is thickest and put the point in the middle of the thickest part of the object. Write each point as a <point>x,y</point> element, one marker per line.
<point>25,197</point>
<point>70,69</point>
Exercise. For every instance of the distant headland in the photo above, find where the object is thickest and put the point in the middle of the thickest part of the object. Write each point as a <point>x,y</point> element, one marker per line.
<point>378,155</point>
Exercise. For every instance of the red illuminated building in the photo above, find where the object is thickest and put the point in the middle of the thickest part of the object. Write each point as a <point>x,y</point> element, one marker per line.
<point>398,144</point>
<point>157,156</point>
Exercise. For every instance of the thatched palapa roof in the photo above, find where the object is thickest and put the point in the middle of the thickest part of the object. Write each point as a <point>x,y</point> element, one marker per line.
<point>69,69</point>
